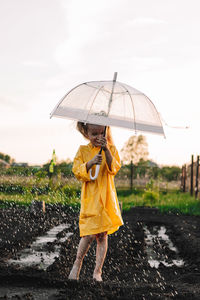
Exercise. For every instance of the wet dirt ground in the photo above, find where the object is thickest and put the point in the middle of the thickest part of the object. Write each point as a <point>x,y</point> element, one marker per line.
<point>153,256</point>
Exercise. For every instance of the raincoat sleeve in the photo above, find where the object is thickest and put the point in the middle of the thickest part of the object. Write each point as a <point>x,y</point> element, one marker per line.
<point>79,167</point>
<point>116,163</point>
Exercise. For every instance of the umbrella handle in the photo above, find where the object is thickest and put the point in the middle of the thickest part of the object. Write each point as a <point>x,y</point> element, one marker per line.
<point>96,173</point>
<point>97,166</point>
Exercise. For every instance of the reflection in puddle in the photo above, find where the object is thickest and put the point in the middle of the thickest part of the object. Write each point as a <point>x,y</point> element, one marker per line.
<point>37,254</point>
<point>160,249</point>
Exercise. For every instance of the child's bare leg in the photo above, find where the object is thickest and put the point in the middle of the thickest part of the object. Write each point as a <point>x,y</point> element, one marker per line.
<point>83,248</point>
<point>102,245</point>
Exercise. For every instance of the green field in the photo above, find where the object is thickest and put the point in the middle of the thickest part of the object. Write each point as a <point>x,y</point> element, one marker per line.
<point>23,190</point>
<point>175,202</point>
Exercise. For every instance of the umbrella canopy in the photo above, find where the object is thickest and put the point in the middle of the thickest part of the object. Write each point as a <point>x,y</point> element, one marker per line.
<point>110,103</point>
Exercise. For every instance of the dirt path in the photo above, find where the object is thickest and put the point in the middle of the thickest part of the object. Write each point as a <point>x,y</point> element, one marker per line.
<point>153,256</point>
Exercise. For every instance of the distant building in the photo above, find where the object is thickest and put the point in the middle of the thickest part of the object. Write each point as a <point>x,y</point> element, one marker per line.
<point>36,167</point>
<point>20,164</point>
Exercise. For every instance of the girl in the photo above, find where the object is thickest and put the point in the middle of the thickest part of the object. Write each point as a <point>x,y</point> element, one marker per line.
<point>100,214</point>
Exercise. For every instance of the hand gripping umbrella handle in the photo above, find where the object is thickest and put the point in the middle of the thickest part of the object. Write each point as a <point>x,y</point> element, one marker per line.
<point>97,166</point>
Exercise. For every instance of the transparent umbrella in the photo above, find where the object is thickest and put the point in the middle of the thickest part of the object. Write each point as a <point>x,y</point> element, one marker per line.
<point>110,103</point>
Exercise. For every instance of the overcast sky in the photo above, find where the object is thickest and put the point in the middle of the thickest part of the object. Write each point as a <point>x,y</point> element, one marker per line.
<point>49,46</point>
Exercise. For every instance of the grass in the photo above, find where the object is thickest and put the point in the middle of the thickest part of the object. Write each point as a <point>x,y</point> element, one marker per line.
<point>179,202</point>
<point>16,190</point>
<point>27,198</point>
<point>175,202</point>
<point>29,181</point>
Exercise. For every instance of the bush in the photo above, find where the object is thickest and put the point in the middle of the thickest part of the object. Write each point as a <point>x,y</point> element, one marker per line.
<point>65,169</point>
<point>128,192</point>
<point>18,171</point>
<point>12,189</point>
<point>170,173</point>
<point>39,190</point>
<point>151,196</point>
<point>70,192</point>
<point>41,174</point>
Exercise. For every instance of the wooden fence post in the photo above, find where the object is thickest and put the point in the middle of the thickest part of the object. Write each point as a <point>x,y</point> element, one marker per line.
<point>183,179</point>
<point>131,175</point>
<point>191,175</point>
<point>197,177</point>
<point>43,206</point>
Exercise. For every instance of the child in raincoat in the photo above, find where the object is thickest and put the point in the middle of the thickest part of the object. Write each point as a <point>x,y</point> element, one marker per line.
<point>100,213</point>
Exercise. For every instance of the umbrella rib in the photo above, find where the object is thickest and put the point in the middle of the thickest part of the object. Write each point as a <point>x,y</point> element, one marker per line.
<point>157,115</point>
<point>132,106</point>
<point>92,103</point>
<point>124,99</point>
<point>111,95</point>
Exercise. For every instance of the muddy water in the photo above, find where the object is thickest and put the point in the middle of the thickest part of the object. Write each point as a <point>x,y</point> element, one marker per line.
<point>39,254</point>
<point>27,293</point>
<point>160,249</point>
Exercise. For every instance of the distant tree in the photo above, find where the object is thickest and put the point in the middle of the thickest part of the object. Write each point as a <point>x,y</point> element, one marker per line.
<point>141,167</point>
<point>5,157</point>
<point>64,167</point>
<point>170,173</point>
<point>154,172</point>
<point>135,150</point>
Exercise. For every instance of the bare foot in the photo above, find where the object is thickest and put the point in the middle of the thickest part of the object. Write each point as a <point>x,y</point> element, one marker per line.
<point>97,277</point>
<point>74,274</point>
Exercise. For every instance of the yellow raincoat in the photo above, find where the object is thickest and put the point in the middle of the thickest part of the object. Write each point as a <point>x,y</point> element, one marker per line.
<point>100,210</point>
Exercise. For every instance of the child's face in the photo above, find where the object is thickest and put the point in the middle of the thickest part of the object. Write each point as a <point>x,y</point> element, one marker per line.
<point>94,132</point>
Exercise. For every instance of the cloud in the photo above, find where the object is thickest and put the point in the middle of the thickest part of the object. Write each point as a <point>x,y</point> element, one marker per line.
<point>108,34</point>
<point>103,35</point>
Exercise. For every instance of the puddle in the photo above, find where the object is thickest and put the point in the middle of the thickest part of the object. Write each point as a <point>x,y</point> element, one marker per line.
<point>27,293</point>
<point>160,249</point>
<point>37,254</point>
